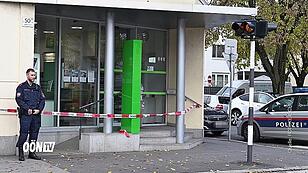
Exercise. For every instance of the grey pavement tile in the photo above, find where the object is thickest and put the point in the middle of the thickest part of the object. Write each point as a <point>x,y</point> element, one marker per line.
<point>11,164</point>
<point>214,155</point>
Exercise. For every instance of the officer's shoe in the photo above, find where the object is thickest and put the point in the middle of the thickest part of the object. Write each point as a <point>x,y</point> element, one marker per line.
<point>21,156</point>
<point>32,155</point>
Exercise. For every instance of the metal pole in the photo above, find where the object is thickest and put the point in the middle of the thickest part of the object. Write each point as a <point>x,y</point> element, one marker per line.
<point>98,41</point>
<point>109,67</point>
<point>251,95</point>
<point>180,94</point>
<point>230,102</point>
<point>59,78</point>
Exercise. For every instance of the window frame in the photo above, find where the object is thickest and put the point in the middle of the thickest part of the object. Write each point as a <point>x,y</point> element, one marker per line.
<point>215,51</point>
<point>270,109</point>
<point>296,106</point>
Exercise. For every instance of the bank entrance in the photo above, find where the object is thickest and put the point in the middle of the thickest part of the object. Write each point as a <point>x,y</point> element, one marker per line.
<point>70,55</point>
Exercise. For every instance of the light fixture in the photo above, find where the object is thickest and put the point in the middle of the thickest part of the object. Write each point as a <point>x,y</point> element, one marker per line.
<point>49,57</point>
<point>48,32</point>
<point>77,27</point>
<point>144,36</point>
<point>123,36</point>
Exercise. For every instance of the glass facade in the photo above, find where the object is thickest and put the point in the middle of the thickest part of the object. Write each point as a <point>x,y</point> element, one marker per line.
<point>153,73</point>
<point>79,69</point>
<point>45,62</point>
<point>76,61</point>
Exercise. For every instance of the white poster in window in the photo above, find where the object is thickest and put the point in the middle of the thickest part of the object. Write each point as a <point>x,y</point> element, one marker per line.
<point>36,66</point>
<point>49,86</point>
<point>152,60</point>
<point>83,76</point>
<point>67,75</point>
<point>75,76</point>
<point>91,76</point>
<point>150,68</point>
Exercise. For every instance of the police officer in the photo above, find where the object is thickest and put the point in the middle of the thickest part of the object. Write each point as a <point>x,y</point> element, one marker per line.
<point>31,101</point>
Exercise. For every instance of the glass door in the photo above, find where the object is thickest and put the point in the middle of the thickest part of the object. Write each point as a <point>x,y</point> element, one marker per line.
<point>153,75</point>
<point>78,70</point>
<point>45,62</point>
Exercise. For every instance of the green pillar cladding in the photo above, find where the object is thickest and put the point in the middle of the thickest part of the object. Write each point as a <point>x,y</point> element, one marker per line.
<point>131,84</point>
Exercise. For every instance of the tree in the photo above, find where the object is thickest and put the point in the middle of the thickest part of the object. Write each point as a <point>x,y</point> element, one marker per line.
<point>301,67</point>
<point>290,41</point>
<point>283,51</point>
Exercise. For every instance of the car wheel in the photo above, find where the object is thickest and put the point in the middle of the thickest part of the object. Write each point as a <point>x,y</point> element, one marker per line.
<point>256,132</point>
<point>235,116</point>
<point>217,133</point>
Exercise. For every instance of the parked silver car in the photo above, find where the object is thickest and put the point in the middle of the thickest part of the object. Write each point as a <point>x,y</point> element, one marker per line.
<point>276,118</point>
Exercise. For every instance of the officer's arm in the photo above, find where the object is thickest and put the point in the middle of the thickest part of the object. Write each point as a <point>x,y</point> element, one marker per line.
<point>20,99</point>
<point>42,100</point>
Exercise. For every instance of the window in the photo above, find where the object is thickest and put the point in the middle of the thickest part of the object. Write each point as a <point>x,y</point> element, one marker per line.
<point>153,77</point>
<point>264,98</point>
<point>282,105</point>
<point>302,103</point>
<point>153,72</point>
<point>45,52</point>
<point>79,70</point>
<point>219,79</point>
<point>238,93</point>
<point>207,99</point>
<point>217,51</point>
<point>226,79</point>
<point>246,97</point>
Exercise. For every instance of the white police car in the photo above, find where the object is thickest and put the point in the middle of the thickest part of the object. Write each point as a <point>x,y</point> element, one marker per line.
<point>283,117</point>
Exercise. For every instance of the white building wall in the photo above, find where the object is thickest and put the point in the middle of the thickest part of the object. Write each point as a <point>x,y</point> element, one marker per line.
<point>193,76</point>
<point>213,65</point>
<point>16,47</point>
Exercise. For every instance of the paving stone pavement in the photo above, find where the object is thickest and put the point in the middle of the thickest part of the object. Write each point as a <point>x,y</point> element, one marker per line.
<point>215,155</point>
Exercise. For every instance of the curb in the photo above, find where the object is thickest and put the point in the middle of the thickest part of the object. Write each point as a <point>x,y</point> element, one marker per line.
<point>301,169</point>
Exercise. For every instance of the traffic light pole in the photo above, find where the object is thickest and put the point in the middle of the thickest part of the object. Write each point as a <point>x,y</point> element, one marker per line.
<point>251,98</point>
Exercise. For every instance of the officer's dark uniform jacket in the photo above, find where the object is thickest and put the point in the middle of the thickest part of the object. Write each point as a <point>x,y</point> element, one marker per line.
<point>29,97</point>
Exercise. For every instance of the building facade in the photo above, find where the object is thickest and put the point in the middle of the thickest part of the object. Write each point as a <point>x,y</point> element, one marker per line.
<point>66,42</point>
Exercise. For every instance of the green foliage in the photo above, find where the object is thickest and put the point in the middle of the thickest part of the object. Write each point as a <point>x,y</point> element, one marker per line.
<point>291,18</point>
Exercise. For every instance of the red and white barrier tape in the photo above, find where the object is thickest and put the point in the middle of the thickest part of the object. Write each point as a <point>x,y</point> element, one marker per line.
<point>125,133</point>
<point>91,115</point>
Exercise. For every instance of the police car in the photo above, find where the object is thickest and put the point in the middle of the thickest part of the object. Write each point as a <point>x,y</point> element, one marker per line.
<point>283,117</point>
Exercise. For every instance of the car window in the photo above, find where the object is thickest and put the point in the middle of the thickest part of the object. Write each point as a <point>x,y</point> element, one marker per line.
<point>207,99</point>
<point>238,93</point>
<point>282,105</point>
<point>264,98</point>
<point>245,97</point>
<point>255,97</point>
<point>302,103</point>
<point>226,92</point>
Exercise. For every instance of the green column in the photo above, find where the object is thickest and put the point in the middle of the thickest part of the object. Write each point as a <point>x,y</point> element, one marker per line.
<point>131,84</point>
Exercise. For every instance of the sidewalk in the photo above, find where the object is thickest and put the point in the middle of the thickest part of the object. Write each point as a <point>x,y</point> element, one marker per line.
<point>11,164</point>
<point>213,156</point>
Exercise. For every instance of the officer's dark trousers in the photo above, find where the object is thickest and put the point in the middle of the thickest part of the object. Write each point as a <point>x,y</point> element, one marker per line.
<point>29,124</point>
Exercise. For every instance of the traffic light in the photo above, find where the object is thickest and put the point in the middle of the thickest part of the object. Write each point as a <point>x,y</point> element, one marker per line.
<point>244,28</point>
<point>256,28</point>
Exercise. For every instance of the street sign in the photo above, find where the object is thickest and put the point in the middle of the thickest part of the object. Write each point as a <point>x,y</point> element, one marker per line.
<point>230,46</point>
<point>233,57</point>
<point>230,53</point>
